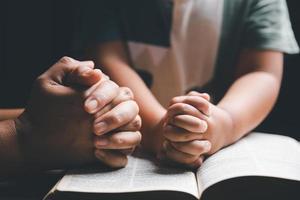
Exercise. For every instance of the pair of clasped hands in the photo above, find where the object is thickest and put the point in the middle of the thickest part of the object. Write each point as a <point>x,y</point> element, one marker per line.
<point>76,115</point>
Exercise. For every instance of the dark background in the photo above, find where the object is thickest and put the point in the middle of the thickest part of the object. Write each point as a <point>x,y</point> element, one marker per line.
<point>34,34</point>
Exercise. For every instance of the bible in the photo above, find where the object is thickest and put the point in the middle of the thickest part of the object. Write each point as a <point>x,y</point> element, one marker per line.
<point>259,166</point>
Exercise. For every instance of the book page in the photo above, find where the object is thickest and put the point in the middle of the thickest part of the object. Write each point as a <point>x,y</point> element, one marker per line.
<point>140,174</point>
<point>257,154</point>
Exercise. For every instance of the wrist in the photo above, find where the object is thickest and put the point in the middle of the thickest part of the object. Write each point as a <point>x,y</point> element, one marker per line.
<point>32,154</point>
<point>152,132</point>
<point>23,128</point>
<point>228,127</point>
<point>33,151</point>
<point>10,152</point>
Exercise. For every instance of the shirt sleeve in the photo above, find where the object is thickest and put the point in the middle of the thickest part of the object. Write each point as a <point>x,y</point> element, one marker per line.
<point>99,23</point>
<point>268,26</point>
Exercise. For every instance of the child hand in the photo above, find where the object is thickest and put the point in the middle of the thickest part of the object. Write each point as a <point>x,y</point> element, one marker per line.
<point>186,122</point>
<point>220,127</point>
<point>193,129</point>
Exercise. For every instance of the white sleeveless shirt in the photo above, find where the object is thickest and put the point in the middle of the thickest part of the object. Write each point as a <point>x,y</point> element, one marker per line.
<point>190,60</point>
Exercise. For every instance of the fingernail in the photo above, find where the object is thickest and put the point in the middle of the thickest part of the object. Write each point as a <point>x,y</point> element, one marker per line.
<point>203,126</point>
<point>206,146</point>
<point>100,127</point>
<point>100,142</point>
<point>91,105</point>
<point>100,154</point>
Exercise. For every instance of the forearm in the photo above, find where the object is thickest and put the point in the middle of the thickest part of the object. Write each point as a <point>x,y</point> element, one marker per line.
<point>6,114</point>
<point>117,67</point>
<point>151,111</point>
<point>248,101</point>
<point>10,157</point>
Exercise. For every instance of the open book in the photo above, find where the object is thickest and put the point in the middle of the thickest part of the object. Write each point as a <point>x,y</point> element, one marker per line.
<point>259,166</point>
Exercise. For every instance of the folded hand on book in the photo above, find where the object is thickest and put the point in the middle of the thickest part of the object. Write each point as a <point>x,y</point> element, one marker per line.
<point>116,128</point>
<point>65,106</point>
<point>194,128</point>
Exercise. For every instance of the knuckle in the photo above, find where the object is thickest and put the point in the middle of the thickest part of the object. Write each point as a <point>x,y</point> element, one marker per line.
<point>206,105</point>
<point>135,105</point>
<point>123,161</point>
<point>135,139</point>
<point>114,160</point>
<point>120,161</point>
<point>66,60</point>
<point>208,95</point>
<point>201,102</point>
<point>184,108</point>
<point>187,160</point>
<point>174,100</point>
<point>117,118</point>
<point>187,137</point>
<point>105,77</point>
<point>168,150</point>
<point>112,84</point>
<point>167,135</point>
<point>40,84</point>
<point>91,63</point>
<point>178,106</point>
<point>199,147</point>
<point>101,98</point>
<point>197,163</point>
<point>127,92</point>
<point>176,118</point>
<point>134,108</point>
<point>81,69</point>
<point>139,136</point>
<point>137,123</point>
<point>178,145</point>
<point>175,137</point>
<point>40,80</point>
<point>85,94</point>
<point>193,93</point>
<point>119,141</point>
<point>201,126</point>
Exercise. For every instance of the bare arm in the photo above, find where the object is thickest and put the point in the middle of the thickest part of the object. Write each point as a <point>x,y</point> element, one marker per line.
<point>113,59</point>
<point>252,96</point>
<point>11,159</point>
<point>42,139</point>
<point>10,113</point>
<point>9,148</point>
<point>247,102</point>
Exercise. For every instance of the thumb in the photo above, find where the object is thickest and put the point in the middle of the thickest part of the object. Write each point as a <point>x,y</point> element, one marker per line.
<point>70,72</point>
<point>68,75</point>
<point>203,95</point>
<point>83,76</point>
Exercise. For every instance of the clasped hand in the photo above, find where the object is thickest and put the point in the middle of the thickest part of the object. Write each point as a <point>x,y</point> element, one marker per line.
<point>75,116</point>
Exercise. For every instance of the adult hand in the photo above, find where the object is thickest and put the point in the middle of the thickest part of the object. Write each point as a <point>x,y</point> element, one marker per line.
<point>116,129</point>
<point>55,130</point>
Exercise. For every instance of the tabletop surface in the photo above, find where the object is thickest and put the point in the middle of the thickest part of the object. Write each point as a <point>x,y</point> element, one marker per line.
<point>29,186</point>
